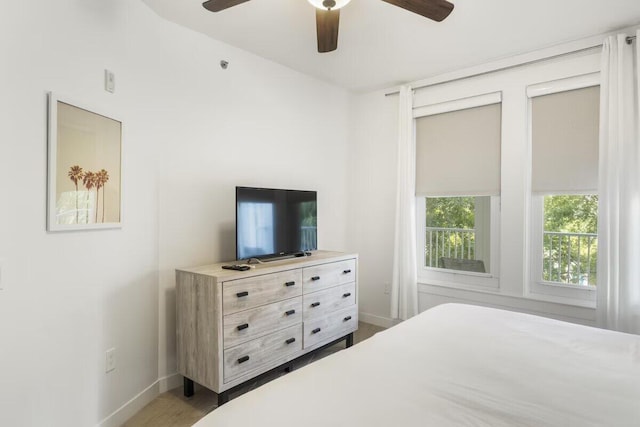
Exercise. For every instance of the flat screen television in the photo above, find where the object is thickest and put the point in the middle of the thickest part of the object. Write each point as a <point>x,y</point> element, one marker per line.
<point>273,223</point>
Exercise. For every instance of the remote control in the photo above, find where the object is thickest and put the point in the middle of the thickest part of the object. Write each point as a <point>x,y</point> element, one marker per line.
<point>236,267</point>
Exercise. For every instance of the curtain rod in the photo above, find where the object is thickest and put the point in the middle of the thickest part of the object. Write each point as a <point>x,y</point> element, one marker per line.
<point>629,39</point>
<point>533,61</point>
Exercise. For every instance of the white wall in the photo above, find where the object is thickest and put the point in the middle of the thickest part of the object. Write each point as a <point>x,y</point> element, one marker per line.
<point>256,124</point>
<point>192,132</point>
<point>374,128</point>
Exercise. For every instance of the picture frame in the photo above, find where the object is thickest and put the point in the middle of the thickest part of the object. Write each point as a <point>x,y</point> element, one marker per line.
<point>84,167</point>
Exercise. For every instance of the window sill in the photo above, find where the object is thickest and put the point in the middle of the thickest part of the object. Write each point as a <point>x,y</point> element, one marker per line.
<point>559,285</point>
<point>459,279</point>
<point>431,270</point>
<point>576,295</point>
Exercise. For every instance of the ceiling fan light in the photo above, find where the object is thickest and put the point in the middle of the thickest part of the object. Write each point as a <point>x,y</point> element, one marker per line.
<point>329,4</point>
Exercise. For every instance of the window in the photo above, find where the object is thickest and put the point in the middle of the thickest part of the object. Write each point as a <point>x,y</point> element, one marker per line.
<point>564,142</point>
<point>457,233</point>
<point>458,188</point>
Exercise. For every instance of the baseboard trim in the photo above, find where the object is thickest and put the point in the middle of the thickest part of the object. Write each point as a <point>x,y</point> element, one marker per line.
<point>130,408</point>
<point>170,382</point>
<point>373,319</point>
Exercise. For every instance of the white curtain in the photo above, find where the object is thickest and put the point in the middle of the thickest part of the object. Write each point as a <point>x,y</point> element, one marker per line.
<point>404,284</point>
<point>618,305</point>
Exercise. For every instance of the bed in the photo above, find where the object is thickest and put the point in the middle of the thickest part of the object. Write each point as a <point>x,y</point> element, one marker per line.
<point>456,365</point>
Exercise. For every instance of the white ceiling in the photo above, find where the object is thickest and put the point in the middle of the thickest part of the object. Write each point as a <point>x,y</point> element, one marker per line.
<point>381,45</point>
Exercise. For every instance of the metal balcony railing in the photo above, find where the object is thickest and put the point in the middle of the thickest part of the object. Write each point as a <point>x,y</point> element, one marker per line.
<point>308,237</point>
<point>458,243</point>
<point>570,258</point>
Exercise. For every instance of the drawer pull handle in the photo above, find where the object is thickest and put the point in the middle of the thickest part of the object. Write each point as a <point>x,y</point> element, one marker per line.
<point>314,278</point>
<point>346,319</point>
<point>348,294</point>
<point>346,271</point>
<point>243,326</point>
<point>290,340</point>
<point>315,304</point>
<point>242,294</point>
<point>316,330</point>
<point>243,359</point>
<point>290,283</point>
<point>290,312</point>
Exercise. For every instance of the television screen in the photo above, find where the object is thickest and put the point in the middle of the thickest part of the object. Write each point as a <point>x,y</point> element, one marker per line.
<point>272,222</point>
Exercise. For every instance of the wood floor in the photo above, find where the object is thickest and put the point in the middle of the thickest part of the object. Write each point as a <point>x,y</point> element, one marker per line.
<point>172,409</point>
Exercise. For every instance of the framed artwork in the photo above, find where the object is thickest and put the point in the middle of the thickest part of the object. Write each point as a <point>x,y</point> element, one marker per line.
<point>83,168</point>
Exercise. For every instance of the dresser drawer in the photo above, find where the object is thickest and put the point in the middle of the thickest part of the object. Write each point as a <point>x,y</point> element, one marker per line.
<point>243,359</point>
<point>328,275</point>
<point>246,325</point>
<point>321,303</point>
<point>243,294</point>
<point>330,327</point>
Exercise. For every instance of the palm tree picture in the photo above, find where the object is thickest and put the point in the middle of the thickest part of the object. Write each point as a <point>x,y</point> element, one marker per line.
<point>92,180</point>
<point>84,155</point>
<point>101,179</point>
<point>88,180</point>
<point>75,174</point>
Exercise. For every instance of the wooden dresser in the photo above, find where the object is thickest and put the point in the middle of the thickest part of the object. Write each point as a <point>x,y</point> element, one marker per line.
<point>235,325</point>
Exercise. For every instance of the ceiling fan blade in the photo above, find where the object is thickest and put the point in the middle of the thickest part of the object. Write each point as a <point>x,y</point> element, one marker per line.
<point>432,9</point>
<point>218,5</point>
<point>327,22</point>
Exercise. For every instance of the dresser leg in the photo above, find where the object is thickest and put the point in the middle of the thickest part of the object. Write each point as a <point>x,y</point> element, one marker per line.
<point>188,387</point>
<point>349,341</point>
<point>223,397</point>
<point>288,368</point>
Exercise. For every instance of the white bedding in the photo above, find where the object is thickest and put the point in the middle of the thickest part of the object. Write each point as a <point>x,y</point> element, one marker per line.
<point>457,365</point>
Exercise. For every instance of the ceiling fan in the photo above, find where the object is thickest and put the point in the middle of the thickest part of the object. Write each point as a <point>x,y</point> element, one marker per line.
<point>328,15</point>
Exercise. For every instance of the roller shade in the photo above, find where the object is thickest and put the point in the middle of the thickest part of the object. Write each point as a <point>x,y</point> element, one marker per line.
<point>565,132</point>
<point>458,152</point>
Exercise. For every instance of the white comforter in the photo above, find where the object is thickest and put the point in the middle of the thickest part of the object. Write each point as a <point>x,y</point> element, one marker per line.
<point>457,365</point>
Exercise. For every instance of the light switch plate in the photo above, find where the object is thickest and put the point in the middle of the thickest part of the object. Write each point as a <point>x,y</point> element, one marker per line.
<point>109,81</point>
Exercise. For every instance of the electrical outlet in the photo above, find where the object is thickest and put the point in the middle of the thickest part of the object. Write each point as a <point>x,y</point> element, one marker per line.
<point>110,360</point>
<point>387,288</point>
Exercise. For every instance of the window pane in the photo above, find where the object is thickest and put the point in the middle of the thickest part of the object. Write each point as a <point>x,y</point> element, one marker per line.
<point>457,233</point>
<point>570,240</point>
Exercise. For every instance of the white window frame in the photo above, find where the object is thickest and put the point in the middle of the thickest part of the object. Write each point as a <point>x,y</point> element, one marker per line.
<point>457,278</point>
<point>538,285</point>
<point>537,288</point>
